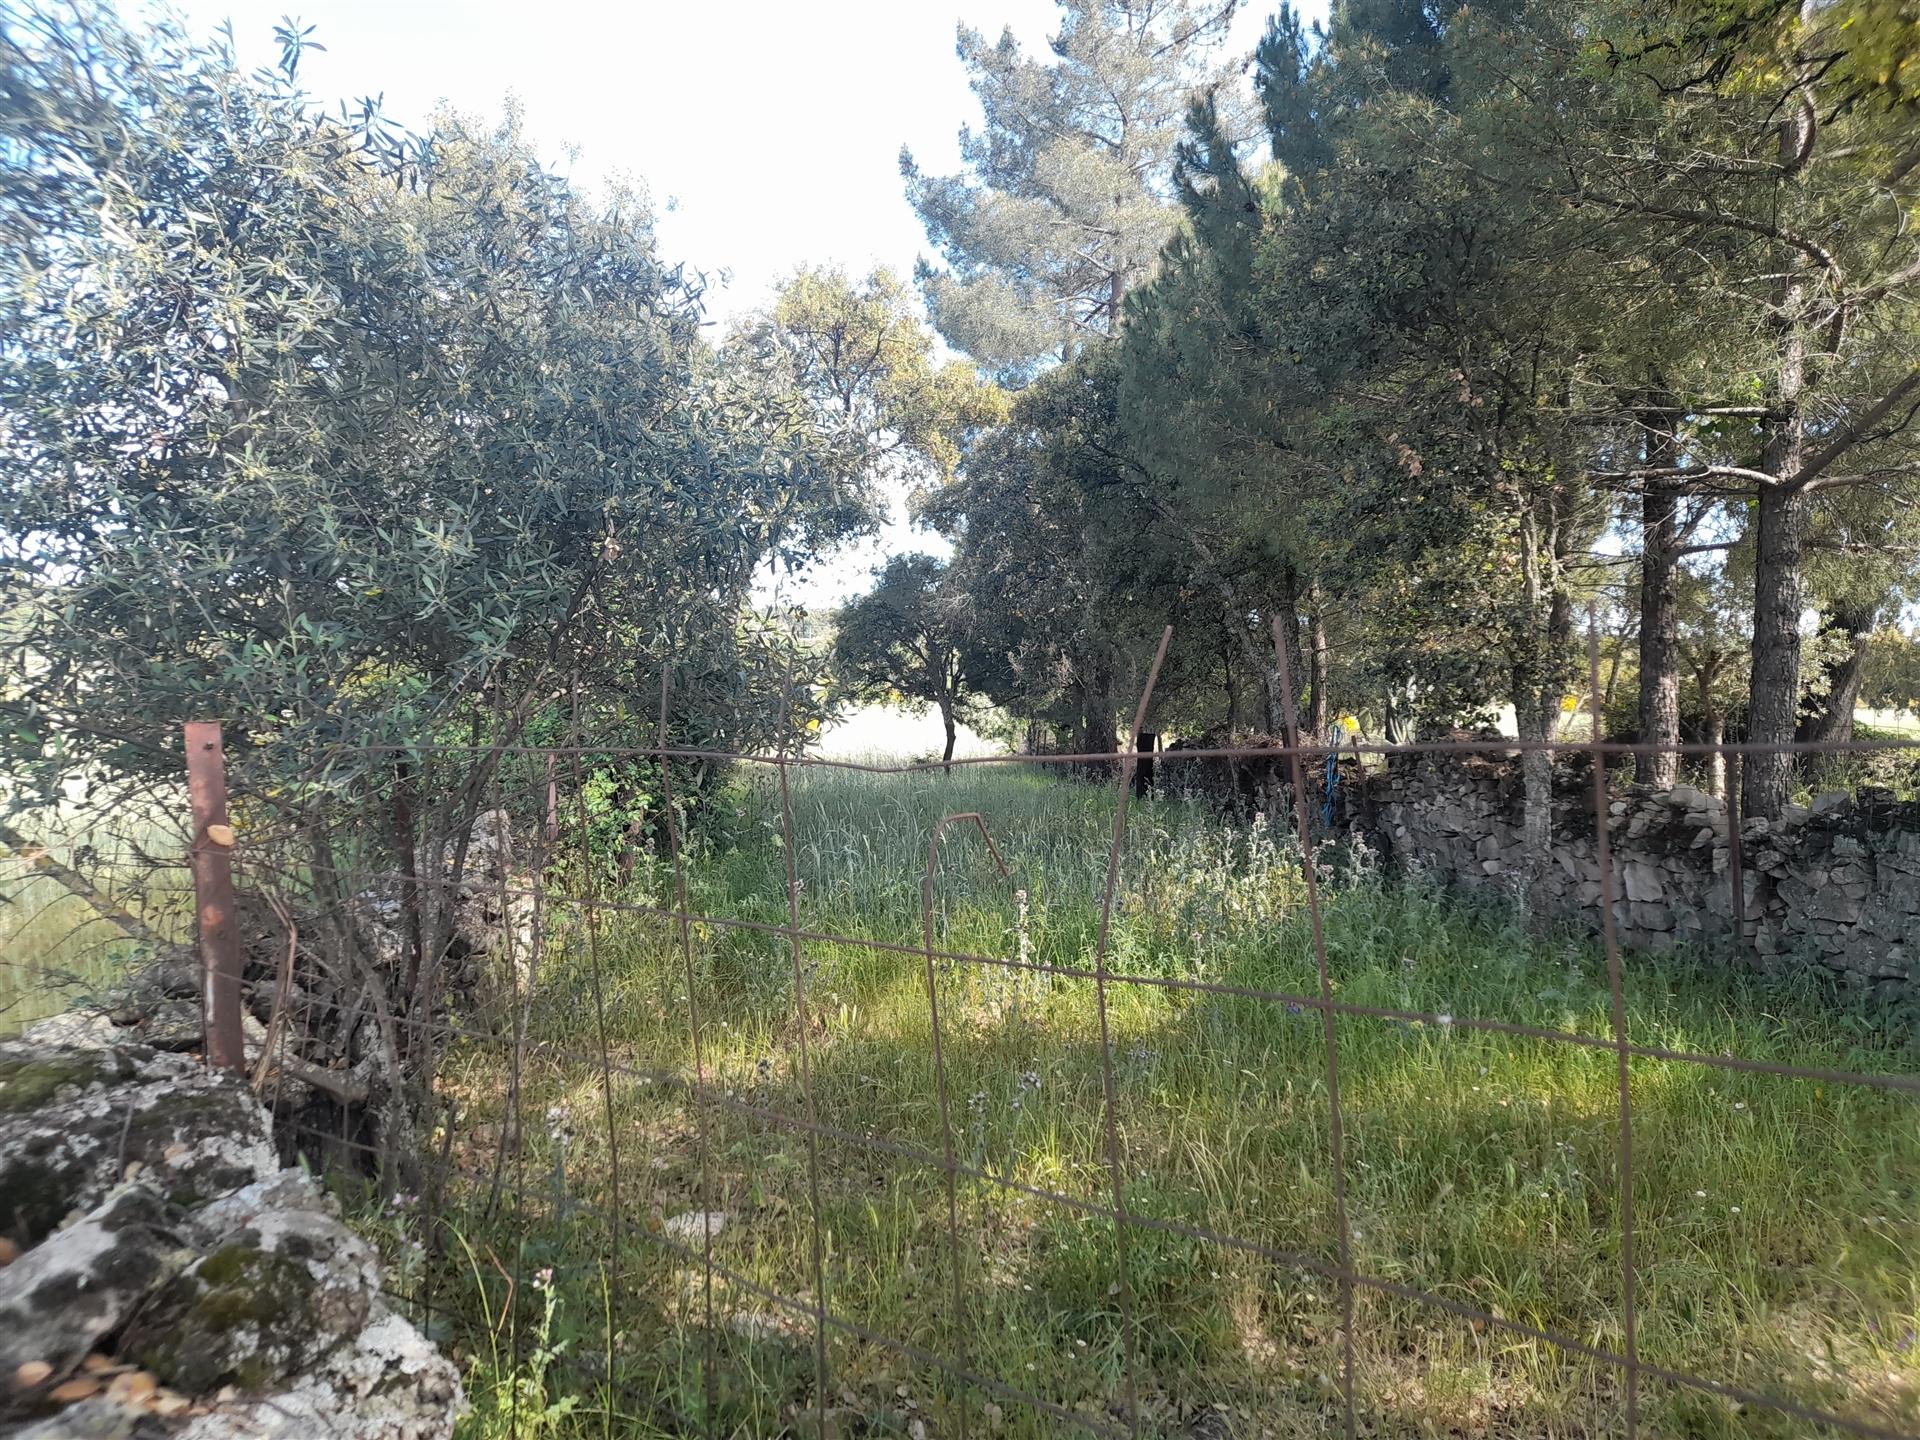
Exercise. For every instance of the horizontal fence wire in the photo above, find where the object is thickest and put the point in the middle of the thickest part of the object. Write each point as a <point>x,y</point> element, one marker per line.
<point>1437,1020</point>
<point>1276,750</point>
<point>726,1099</point>
<point>570,912</point>
<point>791,1304</point>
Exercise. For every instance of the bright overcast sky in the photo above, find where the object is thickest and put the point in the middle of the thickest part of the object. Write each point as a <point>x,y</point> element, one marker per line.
<point>767,131</point>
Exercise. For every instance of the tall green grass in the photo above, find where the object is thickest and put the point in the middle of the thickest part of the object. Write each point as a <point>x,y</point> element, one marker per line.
<point>1774,1219</point>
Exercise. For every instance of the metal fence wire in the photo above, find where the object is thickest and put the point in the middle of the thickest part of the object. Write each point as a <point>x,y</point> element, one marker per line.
<point>534,1164</point>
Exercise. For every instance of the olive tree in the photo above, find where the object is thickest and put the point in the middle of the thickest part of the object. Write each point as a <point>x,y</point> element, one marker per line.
<point>366,443</point>
<point>911,641</point>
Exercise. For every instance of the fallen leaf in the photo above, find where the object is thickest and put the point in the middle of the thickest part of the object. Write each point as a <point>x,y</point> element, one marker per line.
<point>132,1389</point>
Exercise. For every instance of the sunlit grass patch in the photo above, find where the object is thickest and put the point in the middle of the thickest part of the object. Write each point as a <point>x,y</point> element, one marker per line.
<point>1773,1218</point>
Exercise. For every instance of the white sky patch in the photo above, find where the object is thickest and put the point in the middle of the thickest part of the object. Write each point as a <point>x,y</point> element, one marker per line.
<point>889,733</point>
<point>768,132</point>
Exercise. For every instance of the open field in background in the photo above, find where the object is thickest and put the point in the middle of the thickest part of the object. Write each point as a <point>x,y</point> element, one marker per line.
<point>1775,1218</point>
<point>54,948</point>
<point>887,732</point>
<point>1904,723</point>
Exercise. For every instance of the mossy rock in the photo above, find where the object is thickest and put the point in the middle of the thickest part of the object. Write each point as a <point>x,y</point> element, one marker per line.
<point>59,1299</point>
<point>31,1080</point>
<point>260,1308</point>
<point>72,1121</point>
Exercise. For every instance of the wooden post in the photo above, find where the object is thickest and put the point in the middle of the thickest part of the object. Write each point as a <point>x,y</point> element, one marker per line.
<point>212,859</point>
<point>1143,765</point>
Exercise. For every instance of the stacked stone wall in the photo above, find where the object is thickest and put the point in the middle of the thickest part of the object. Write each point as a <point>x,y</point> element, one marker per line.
<point>1834,885</point>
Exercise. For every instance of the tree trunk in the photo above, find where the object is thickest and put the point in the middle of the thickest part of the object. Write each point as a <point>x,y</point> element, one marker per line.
<point>1773,700</point>
<point>1534,722</point>
<point>1322,661</point>
<point>946,724</point>
<point>1831,722</point>
<point>1659,621</point>
<point>407,855</point>
<point>1233,692</point>
<point>1096,710</point>
<point>1716,757</point>
<point>1538,681</point>
<point>1287,608</point>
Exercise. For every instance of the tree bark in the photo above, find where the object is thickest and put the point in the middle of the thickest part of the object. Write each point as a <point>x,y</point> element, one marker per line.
<point>946,724</point>
<point>1716,758</point>
<point>1096,710</point>
<point>1538,681</point>
<point>1287,607</point>
<point>1774,694</point>
<point>1773,700</point>
<point>1322,661</point>
<point>406,855</point>
<point>1233,692</point>
<point>1659,621</point>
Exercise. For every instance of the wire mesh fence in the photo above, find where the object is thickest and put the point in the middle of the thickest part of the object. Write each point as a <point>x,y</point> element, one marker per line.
<point>718,1147</point>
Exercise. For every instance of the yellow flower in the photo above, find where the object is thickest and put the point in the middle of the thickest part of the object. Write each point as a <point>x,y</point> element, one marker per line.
<point>1349,724</point>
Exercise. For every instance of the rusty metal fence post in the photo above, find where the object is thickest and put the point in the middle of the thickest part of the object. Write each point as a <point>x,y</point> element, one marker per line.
<point>212,863</point>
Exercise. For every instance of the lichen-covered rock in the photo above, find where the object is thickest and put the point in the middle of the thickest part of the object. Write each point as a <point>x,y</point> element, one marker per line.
<point>85,1281</point>
<point>156,1228</point>
<point>492,904</point>
<point>92,1419</point>
<point>279,1285</point>
<point>73,1122</point>
<point>386,1383</point>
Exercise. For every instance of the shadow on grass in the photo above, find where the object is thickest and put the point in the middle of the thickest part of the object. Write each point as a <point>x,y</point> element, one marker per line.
<point>1774,1217</point>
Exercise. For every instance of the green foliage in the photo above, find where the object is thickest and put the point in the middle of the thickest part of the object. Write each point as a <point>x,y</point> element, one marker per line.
<point>1511,267</point>
<point>910,641</point>
<point>511,1384</point>
<point>1866,48</point>
<point>1061,206</point>
<point>360,441</point>
<point>862,353</point>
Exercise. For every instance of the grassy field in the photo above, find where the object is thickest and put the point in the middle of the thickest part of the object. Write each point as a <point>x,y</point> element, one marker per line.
<point>1774,1218</point>
<point>56,949</point>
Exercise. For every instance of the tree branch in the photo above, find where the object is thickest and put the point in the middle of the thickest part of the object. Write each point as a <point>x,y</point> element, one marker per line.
<point>1852,432</point>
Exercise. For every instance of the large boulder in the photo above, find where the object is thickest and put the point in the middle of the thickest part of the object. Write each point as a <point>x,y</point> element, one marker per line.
<point>170,1279</point>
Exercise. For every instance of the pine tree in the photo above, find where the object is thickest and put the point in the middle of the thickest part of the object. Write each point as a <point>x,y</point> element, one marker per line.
<point>1066,196</point>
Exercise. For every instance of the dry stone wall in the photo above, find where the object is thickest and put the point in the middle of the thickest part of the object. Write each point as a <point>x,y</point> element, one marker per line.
<point>162,1276</point>
<point>1835,885</point>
